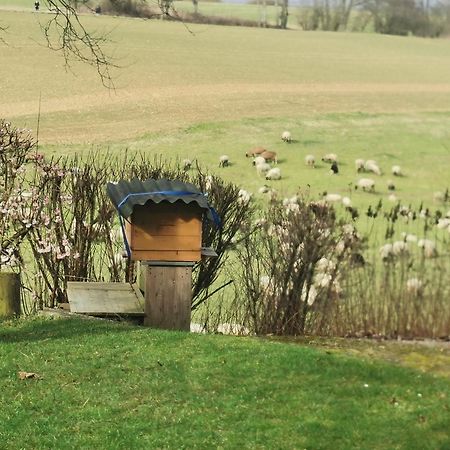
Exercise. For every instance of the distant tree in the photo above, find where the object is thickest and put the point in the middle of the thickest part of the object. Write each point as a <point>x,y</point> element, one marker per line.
<point>403,17</point>
<point>284,14</point>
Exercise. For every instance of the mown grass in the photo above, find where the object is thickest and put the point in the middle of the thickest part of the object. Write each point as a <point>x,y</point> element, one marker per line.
<point>105,385</point>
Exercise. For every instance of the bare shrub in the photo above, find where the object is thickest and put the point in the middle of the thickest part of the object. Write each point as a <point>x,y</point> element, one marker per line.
<point>291,265</point>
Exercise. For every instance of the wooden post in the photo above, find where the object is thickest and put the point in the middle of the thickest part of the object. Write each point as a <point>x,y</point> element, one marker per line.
<point>9,294</point>
<point>168,295</point>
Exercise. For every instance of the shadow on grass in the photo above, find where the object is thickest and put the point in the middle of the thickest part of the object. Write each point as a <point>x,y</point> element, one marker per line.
<point>41,329</point>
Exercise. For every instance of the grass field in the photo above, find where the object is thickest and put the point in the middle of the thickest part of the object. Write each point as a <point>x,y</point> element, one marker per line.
<point>106,385</point>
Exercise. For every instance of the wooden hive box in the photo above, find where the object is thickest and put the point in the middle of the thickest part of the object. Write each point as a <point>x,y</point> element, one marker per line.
<point>165,232</point>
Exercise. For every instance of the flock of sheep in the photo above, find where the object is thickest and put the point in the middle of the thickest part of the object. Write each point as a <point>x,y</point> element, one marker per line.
<point>265,163</point>
<point>263,160</point>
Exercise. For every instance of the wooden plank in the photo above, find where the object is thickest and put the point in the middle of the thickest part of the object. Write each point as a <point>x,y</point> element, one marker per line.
<point>168,297</point>
<point>168,224</point>
<point>141,240</point>
<point>104,298</point>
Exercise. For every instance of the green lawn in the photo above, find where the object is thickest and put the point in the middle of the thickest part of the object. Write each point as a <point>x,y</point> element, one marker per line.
<point>106,385</point>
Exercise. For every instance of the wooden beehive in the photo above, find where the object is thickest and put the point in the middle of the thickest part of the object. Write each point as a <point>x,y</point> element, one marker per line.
<point>165,232</point>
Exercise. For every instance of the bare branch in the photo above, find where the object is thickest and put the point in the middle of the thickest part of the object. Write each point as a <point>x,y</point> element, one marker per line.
<point>65,33</point>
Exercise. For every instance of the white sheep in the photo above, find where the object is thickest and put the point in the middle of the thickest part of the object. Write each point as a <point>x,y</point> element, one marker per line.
<point>286,136</point>
<point>443,223</point>
<point>346,202</point>
<point>224,161</point>
<point>400,248</point>
<point>393,198</point>
<point>262,168</point>
<point>409,237</point>
<point>310,161</point>
<point>244,196</point>
<point>372,166</point>
<point>273,174</point>
<point>359,164</point>
<point>366,184</point>
<point>396,170</point>
<point>329,158</point>
<point>428,247</point>
<point>333,197</point>
<point>264,189</point>
<point>439,196</point>
<point>258,160</point>
<point>386,251</point>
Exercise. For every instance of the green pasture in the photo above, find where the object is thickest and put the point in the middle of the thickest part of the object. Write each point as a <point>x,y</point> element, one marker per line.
<point>214,90</point>
<point>106,385</point>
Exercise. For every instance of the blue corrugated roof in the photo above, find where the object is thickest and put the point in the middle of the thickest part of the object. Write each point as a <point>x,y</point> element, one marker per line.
<point>126,194</point>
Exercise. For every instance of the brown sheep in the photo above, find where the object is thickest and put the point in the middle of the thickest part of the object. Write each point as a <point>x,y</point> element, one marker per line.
<point>255,151</point>
<point>269,156</point>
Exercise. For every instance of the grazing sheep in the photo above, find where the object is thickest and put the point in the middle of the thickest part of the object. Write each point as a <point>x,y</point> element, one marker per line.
<point>346,202</point>
<point>286,136</point>
<point>359,165</point>
<point>264,189</point>
<point>366,184</point>
<point>310,161</point>
<point>400,248</point>
<point>224,161</point>
<point>329,158</point>
<point>255,151</point>
<point>390,185</point>
<point>440,196</point>
<point>258,160</point>
<point>332,197</point>
<point>443,223</point>
<point>371,166</point>
<point>262,168</point>
<point>273,174</point>
<point>269,156</point>
<point>393,198</point>
<point>386,251</point>
<point>409,237</point>
<point>396,171</point>
<point>187,163</point>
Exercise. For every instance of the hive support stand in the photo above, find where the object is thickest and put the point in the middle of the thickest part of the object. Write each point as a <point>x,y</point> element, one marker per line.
<point>168,295</point>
